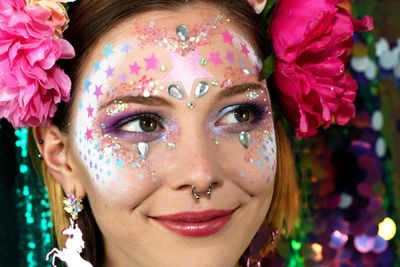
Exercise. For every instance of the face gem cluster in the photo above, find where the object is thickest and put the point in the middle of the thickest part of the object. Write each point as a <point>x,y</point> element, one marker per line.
<point>184,72</point>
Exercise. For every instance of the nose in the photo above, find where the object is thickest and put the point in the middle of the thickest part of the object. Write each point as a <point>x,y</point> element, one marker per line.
<point>195,168</point>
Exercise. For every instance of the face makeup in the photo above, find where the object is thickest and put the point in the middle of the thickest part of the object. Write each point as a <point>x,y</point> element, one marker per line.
<point>166,105</point>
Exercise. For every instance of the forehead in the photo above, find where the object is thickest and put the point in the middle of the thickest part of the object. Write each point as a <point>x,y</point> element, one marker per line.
<point>162,47</point>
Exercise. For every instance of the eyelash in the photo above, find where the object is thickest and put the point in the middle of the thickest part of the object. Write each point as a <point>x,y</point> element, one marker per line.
<point>258,112</point>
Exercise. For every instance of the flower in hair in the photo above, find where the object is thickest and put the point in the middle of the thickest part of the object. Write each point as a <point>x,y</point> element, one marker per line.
<point>31,85</point>
<point>57,16</point>
<point>310,40</point>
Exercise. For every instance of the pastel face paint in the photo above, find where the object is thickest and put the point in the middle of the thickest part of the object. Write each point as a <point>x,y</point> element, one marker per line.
<point>184,70</point>
<point>163,107</point>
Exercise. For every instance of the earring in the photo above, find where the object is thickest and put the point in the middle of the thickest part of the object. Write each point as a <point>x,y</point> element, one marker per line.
<point>74,245</point>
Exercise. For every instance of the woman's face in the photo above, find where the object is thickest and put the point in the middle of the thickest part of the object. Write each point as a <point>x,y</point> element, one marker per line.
<point>167,101</point>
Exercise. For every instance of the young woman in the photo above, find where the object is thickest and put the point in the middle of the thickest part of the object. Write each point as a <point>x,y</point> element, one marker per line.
<point>169,137</point>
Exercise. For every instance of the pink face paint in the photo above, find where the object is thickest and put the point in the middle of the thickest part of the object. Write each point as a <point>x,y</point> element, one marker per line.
<point>187,70</point>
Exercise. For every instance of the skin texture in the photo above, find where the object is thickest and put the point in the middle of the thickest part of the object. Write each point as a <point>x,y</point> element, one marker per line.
<point>190,146</point>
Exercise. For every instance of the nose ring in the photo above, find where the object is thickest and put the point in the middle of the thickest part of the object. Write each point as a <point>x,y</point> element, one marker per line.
<point>197,195</point>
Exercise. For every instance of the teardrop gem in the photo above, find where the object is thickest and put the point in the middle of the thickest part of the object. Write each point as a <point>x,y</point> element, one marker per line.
<point>201,89</point>
<point>143,150</point>
<point>175,92</point>
<point>244,138</point>
<point>182,32</point>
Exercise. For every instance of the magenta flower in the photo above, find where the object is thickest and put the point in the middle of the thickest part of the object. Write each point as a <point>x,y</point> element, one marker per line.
<point>31,84</point>
<point>310,40</point>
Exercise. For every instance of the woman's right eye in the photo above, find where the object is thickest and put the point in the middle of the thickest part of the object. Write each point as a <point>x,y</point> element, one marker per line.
<point>141,124</point>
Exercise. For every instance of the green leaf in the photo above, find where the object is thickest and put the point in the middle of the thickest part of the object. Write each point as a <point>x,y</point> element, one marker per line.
<point>268,68</point>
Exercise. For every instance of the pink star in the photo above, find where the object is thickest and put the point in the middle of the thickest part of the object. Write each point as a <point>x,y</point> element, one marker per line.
<point>89,134</point>
<point>228,38</point>
<point>152,62</point>
<point>214,57</point>
<point>186,69</point>
<point>245,50</point>
<point>110,72</point>
<point>98,92</point>
<point>135,68</point>
<point>230,57</point>
<point>90,111</point>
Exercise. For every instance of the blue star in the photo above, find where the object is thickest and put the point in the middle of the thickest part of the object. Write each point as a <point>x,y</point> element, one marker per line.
<point>96,66</point>
<point>86,84</point>
<point>125,48</point>
<point>81,104</point>
<point>108,50</point>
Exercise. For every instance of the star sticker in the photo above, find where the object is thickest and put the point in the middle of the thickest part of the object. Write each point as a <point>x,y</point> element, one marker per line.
<point>96,66</point>
<point>228,38</point>
<point>245,50</point>
<point>98,92</point>
<point>135,68</point>
<point>186,70</point>
<point>89,134</point>
<point>215,58</point>
<point>151,62</point>
<point>86,84</point>
<point>90,111</point>
<point>125,48</point>
<point>230,57</point>
<point>110,72</point>
<point>108,50</point>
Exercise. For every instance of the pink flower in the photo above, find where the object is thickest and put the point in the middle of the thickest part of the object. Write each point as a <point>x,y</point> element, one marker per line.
<point>310,40</point>
<point>57,16</point>
<point>31,85</point>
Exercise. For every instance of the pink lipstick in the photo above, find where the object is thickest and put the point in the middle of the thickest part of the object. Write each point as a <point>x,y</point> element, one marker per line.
<point>196,224</point>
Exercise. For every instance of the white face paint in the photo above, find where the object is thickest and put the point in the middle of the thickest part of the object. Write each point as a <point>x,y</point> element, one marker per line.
<point>142,148</point>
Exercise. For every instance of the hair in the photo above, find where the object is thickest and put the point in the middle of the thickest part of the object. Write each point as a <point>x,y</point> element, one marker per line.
<point>89,21</point>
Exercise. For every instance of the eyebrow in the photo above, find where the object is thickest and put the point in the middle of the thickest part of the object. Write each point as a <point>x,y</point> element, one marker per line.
<point>236,90</point>
<point>160,101</point>
<point>151,100</point>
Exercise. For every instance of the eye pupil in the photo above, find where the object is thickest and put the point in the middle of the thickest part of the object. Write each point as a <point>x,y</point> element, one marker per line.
<point>242,114</point>
<point>148,124</point>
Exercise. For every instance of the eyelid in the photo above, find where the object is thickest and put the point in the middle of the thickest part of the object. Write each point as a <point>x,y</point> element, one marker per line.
<point>132,117</point>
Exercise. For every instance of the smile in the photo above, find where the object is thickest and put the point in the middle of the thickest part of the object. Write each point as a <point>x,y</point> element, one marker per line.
<point>196,224</point>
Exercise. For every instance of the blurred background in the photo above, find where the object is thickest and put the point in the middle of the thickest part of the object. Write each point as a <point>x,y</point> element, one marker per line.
<point>349,177</point>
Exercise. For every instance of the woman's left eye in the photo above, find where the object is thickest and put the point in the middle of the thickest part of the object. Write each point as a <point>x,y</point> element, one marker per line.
<point>238,114</point>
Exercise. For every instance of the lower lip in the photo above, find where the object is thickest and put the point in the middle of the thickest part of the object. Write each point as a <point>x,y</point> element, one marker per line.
<point>196,229</point>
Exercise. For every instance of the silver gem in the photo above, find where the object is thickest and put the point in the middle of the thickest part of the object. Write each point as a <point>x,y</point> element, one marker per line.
<point>191,105</point>
<point>244,138</point>
<point>143,149</point>
<point>182,32</point>
<point>175,91</point>
<point>201,89</point>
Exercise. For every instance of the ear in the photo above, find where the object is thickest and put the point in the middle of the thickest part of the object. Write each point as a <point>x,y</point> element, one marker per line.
<point>58,159</point>
<point>258,5</point>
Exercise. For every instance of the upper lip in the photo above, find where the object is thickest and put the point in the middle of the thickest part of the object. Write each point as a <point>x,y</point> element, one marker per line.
<point>194,216</point>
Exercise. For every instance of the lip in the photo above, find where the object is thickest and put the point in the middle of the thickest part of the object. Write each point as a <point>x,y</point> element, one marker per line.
<point>196,223</point>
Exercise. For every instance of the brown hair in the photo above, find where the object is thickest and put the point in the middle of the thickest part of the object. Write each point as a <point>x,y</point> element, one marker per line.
<point>91,19</point>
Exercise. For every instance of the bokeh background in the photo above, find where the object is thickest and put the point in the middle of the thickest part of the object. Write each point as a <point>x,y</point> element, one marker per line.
<point>349,177</point>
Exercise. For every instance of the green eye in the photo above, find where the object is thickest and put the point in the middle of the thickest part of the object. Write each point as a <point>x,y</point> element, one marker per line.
<point>242,114</point>
<point>141,124</point>
<point>148,124</point>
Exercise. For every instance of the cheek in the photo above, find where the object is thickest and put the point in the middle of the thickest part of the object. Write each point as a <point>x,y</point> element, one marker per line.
<point>253,169</point>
